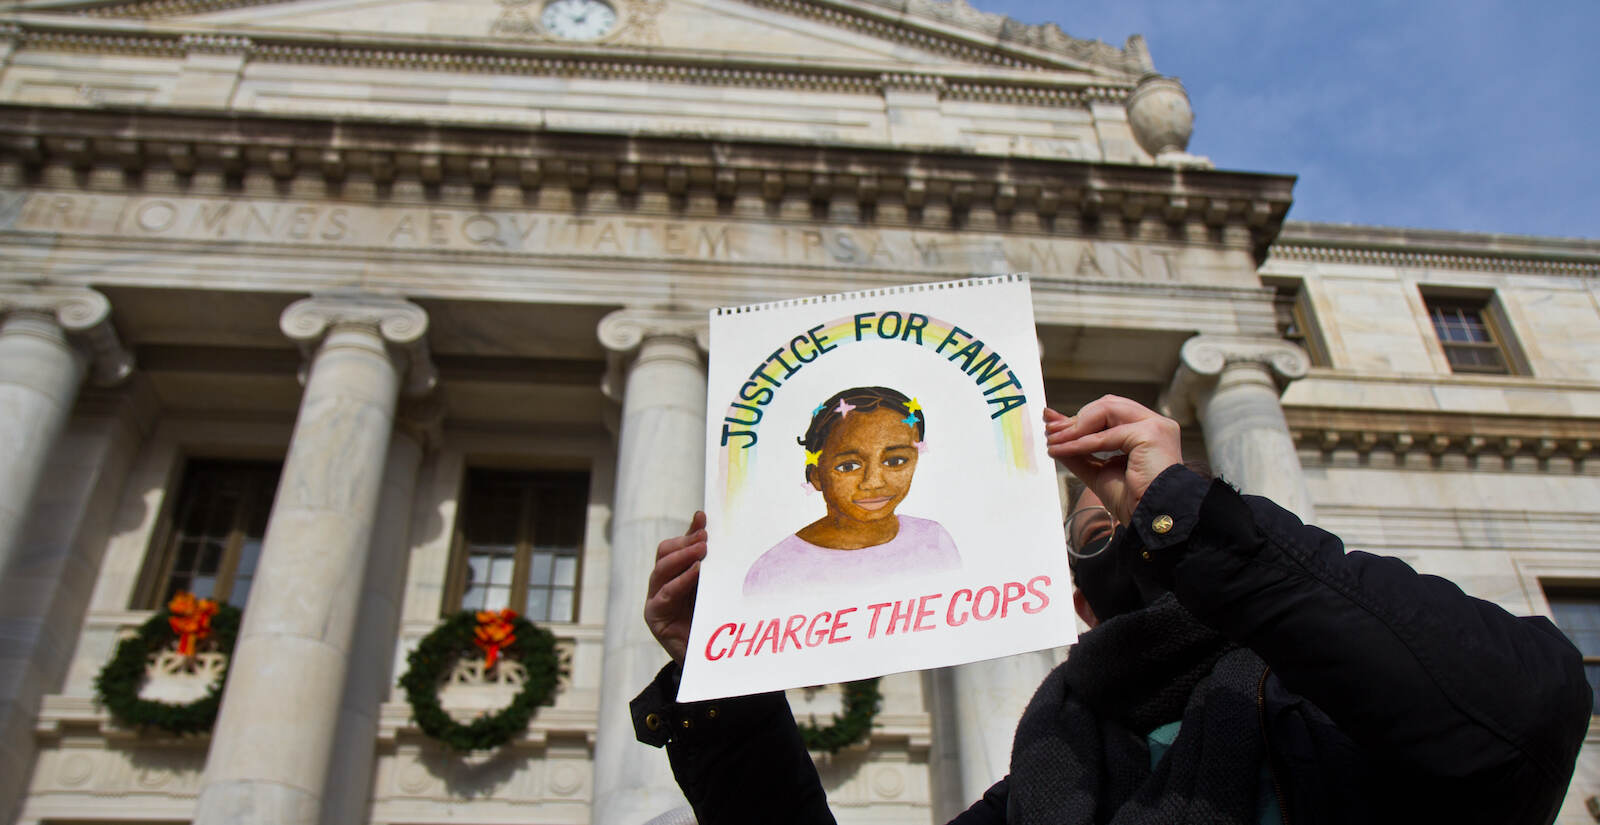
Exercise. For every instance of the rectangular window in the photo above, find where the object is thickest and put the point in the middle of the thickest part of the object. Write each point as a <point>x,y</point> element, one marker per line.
<point>521,537</point>
<point>1293,315</point>
<point>214,545</point>
<point>1577,613</point>
<point>1468,335</point>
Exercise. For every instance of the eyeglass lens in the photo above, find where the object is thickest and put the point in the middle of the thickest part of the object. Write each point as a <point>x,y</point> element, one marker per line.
<point>1089,531</point>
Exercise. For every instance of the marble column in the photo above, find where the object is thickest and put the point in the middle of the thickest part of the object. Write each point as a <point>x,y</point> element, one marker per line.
<point>1232,386</point>
<point>50,337</point>
<point>372,657</point>
<point>271,747</point>
<point>986,699</point>
<point>660,483</point>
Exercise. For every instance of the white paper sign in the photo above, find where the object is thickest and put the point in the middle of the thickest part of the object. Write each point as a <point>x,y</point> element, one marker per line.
<point>878,496</point>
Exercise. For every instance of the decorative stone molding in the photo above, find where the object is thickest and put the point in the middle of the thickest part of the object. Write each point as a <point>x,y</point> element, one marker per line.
<point>1203,358</point>
<point>1247,210</point>
<point>984,28</point>
<point>1499,443</point>
<point>402,325</point>
<point>178,679</point>
<point>914,81</point>
<point>623,331</point>
<point>1435,260</point>
<point>86,316</point>
<point>215,44</point>
<point>1133,58</point>
<point>511,56</point>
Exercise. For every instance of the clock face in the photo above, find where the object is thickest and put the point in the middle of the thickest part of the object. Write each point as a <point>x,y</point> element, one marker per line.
<point>578,19</point>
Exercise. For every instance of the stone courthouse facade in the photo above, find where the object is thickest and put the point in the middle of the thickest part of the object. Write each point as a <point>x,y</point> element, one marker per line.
<point>355,312</point>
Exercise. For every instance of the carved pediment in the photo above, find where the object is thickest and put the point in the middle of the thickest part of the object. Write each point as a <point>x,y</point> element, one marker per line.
<point>906,33</point>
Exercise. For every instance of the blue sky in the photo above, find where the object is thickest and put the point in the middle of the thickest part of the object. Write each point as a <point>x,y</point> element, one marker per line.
<point>1475,115</point>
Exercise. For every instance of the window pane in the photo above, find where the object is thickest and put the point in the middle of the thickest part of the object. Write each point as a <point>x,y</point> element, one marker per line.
<point>188,552</point>
<point>539,568</point>
<point>1468,340</point>
<point>249,555</point>
<point>538,604</point>
<point>566,571</point>
<point>561,605</point>
<point>534,519</point>
<point>1577,613</point>
<point>221,514</point>
<point>474,598</point>
<point>211,556</point>
<point>501,570</point>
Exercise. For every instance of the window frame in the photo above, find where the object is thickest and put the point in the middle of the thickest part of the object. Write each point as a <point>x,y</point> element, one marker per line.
<point>1293,291</point>
<point>456,579</point>
<point>162,555</point>
<point>1573,589</point>
<point>1491,316</point>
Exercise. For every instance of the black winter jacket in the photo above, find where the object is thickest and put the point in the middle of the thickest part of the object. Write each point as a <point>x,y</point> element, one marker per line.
<point>1390,696</point>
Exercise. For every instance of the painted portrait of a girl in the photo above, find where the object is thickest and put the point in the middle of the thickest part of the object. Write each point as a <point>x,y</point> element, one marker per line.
<point>861,449</point>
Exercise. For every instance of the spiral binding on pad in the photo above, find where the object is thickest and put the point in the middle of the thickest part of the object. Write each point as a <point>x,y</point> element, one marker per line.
<point>1015,277</point>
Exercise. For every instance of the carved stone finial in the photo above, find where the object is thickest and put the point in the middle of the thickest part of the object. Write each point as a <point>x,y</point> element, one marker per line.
<point>1162,120</point>
<point>1159,113</point>
<point>1203,358</point>
<point>402,325</point>
<point>85,315</point>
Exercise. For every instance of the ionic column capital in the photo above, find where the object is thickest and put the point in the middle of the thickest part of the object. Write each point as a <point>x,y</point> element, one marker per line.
<point>624,331</point>
<point>85,315</point>
<point>1203,358</point>
<point>400,324</point>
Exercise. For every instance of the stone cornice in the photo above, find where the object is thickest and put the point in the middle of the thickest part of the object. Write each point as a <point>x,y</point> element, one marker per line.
<point>1494,441</point>
<point>1435,249</point>
<point>951,27</point>
<point>1199,205</point>
<point>1016,84</point>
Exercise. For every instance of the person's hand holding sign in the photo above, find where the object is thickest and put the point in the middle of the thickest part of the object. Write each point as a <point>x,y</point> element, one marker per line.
<point>1145,442</point>
<point>669,607</point>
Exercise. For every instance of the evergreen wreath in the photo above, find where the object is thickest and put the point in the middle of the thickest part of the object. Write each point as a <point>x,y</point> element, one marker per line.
<point>117,686</point>
<point>861,700</point>
<point>532,647</point>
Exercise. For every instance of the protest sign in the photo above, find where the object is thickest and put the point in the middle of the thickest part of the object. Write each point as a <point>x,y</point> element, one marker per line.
<point>878,496</point>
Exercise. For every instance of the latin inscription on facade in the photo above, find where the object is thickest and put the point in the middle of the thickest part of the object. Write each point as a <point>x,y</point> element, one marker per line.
<point>542,234</point>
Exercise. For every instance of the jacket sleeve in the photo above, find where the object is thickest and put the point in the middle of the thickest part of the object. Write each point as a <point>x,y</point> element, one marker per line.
<point>741,760</point>
<point>738,760</point>
<point>1444,686</point>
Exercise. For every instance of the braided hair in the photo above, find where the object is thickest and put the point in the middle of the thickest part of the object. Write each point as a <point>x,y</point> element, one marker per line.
<point>864,400</point>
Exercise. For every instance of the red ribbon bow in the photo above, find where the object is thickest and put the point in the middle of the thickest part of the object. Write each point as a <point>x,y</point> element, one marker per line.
<point>190,619</point>
<point>494,634</point>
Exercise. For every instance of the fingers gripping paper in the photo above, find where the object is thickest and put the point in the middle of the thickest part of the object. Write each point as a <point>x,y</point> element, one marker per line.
<point>878,496</point>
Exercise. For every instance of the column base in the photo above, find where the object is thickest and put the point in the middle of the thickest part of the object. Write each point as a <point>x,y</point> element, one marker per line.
<point>253,802</point>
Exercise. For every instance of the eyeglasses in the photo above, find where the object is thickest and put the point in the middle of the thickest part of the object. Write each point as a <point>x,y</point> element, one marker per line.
<point>1089,532</point>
